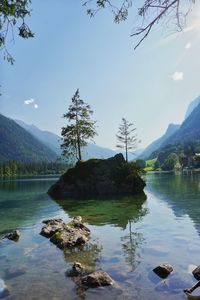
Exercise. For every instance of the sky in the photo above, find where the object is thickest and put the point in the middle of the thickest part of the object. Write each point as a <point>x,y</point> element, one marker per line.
<point>151,87</point>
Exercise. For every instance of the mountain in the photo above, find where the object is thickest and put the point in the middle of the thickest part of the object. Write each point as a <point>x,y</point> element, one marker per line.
<point>18,144</point>
<point>189,131</point>
<point>192,106</point>
<point>53,141</point>
<point>172,128</point>
<point>50,139</point>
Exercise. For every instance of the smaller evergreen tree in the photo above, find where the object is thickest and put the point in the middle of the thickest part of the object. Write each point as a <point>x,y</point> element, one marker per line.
<point>126,137</point>
<point>80,128</point>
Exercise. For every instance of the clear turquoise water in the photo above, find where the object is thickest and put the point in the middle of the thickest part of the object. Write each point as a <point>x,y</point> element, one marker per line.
<point>129,238</point>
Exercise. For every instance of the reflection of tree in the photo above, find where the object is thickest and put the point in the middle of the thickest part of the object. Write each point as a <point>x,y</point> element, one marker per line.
<point>88,255</point>
<point>132,241</point>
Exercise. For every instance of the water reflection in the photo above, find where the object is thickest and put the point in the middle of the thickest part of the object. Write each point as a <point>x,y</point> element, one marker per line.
<point>117,212</point>
<point>89,255</point>
<point>130,245</point>
<point>181,192</point>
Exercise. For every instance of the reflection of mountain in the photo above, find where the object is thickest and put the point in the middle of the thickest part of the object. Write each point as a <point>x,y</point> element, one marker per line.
<point>181,192</point>
<point>100,212</point>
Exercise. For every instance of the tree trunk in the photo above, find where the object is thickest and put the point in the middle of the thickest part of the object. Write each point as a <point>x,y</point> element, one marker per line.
<point>126,146</point>
<point>79,150</point>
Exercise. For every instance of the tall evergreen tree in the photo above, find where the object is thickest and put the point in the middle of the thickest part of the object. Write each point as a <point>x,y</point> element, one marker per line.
<point>80,128</point>
<point>126,137</point>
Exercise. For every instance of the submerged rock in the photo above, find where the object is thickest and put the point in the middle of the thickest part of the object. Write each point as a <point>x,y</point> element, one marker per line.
<point>196,273</point>
<point>4,292</point>
<point>97,279</point>
<point>163,270</point>
<point>14,272</point>
<point>79,269</point>
<point>99,178</point>
<point>64,235</point>
<point>14,235</point>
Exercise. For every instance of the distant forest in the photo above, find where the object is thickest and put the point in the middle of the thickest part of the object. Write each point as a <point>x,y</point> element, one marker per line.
<point>14,168</point>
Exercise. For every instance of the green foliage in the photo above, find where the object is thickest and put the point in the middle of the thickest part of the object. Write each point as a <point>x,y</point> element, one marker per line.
<point>80,129</point>
<point>150,165</point>
<point>171,162</point>
<point>127,137</point>
<point>12,15</point>
<point>127,173</point>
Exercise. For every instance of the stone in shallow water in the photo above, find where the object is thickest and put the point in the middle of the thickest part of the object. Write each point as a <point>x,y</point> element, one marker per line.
<point>14,272</point>
<point>14,235</point>
<point>4,292</point>
<point>69,237</point>
<point>63,235</point>
<point>97,279</point>
<point>191,268</point>
<point>79,269</point>
<point>51,226</point>
<point>196,273</point>
<point>163,270</point>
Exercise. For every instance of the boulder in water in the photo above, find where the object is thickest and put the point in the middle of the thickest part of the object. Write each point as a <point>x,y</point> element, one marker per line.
<point>99,178</point>
<point>163,270</point>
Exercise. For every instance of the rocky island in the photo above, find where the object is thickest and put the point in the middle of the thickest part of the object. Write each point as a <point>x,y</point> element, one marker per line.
<point>99,178</point>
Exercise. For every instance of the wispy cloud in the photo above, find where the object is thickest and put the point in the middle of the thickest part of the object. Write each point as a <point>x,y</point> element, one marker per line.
<point>177,76</point>
<point>29,101</point>
<point>32,102</point>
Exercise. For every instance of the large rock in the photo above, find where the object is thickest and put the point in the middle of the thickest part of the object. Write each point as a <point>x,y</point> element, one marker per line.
<point>51,226</point>
<point>69,237</point>
<point>63,235</point>
<point>99,178</point>
<point>97,279</point>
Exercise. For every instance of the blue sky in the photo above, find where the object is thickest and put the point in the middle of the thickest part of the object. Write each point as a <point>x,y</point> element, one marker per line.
<point>151,86</point>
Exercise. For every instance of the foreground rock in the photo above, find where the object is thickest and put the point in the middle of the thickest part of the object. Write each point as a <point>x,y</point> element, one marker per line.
<point>51,227</point>
<point>99,178</point>
<point>63,235</point>
<point>87,278</point>
<point>96,279</point>
<point>196,273</point>
<point>163,270</point>
<point>14,235</point>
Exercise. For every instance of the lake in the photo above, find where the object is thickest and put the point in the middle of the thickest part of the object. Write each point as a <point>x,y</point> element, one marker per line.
<point>130,237</point>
